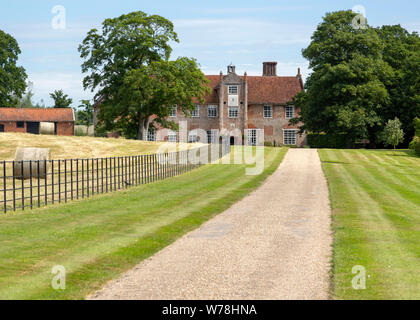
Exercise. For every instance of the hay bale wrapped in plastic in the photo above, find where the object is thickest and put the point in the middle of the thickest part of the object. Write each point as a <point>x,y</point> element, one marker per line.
<point>31,162</point>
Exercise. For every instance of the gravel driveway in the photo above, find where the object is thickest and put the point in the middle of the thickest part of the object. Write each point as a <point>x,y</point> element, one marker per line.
<point>273,244</point>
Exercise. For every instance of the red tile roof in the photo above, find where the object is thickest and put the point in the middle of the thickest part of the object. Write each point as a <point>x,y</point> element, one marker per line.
<point>272,89</point>
<point>37,114</point>
<point>263,89</point>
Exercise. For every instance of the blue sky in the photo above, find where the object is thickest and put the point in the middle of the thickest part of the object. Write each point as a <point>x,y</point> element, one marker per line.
<point>216,33</point>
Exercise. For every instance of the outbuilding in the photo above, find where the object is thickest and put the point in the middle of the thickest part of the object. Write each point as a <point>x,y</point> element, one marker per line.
<point>57,121</point>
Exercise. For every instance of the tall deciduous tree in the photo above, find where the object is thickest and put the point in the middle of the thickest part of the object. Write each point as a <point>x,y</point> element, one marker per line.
<point>149,92</point>
<point>362,78</point>
<point>61,100</point>
<point>345,93</point>
<point>128,63</point>
<point>12,77</point>
<point>402,53</point>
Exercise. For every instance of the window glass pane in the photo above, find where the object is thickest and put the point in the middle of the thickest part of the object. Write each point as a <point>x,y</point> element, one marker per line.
<point>289,137</point>
<point>195,113</point>
<point>172,136</point>
<point>233,112</point>
<point>212,111</point>
<point>210,136</point>
<point>233,89</point>
<point>174,110</point>
<point>252,137</point>
<point>290,112</point>
<point>151,135</point>
<point>268,111</point>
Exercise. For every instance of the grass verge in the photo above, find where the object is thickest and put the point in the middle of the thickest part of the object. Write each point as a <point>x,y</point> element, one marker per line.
<point>375,196</point>
<point>98,239</point>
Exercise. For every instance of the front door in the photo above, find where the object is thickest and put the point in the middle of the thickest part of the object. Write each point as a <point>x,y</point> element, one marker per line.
<point>1,127</point>
<point>32,127</point>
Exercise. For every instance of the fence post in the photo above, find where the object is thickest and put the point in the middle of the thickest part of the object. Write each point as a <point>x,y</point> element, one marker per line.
<point>39,191</point>
<point>71,178</point>
<point>46,183</point>
<point>5,186</point>
<point>30,183</point>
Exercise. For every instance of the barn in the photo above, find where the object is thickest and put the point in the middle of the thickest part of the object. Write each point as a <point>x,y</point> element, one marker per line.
<point>58,121</point>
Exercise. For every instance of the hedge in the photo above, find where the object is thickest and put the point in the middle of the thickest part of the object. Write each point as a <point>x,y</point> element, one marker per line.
<point>330,141</point>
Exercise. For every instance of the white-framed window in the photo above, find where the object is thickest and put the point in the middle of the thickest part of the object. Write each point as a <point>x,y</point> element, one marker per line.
<point>196,113</point>
<point>290,137</point>
<point>233,89</point>
<point>174,110</point>
<point>172,136</point>
<point>151,134</point>
<point>210,136</point>
<point>268,111</point>
<point>290,112</point>
<point>233,112</point>
<point>192,136</point>
<point>212,111</point>
<point>252,137</point>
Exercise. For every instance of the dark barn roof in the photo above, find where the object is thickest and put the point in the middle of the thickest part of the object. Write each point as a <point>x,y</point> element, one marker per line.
<point>37,114</point>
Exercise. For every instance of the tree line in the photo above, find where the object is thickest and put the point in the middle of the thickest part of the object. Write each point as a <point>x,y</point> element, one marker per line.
<point>362,78</point>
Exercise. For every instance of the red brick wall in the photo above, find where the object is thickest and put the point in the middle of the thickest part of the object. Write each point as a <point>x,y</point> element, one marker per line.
<point>65,128</point>
<point>12,127</point>
<point>273,127</point>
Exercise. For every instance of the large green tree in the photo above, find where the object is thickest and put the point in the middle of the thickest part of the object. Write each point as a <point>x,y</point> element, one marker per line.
<point>61,100</point>
<point>12,77</point>
<point>128,64</point>
<point>345,93</point>
<point>402,53</point>
<point>149,92</point>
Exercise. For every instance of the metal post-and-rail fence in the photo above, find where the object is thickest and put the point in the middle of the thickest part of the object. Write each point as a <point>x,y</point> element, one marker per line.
<point>36,183</point>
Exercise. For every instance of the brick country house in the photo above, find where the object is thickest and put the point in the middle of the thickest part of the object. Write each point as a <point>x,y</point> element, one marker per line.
<point>247,103</point>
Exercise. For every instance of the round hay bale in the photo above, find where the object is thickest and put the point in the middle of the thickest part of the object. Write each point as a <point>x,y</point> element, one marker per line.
<point>27,158</point>
<point>46,128</point>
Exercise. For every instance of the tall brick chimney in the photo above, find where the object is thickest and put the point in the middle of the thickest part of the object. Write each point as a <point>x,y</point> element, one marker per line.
<point>269,69</point>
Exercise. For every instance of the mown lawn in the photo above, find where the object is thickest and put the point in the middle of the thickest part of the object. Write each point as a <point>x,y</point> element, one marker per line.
<point>100,238</point>
<point>375,197</point>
